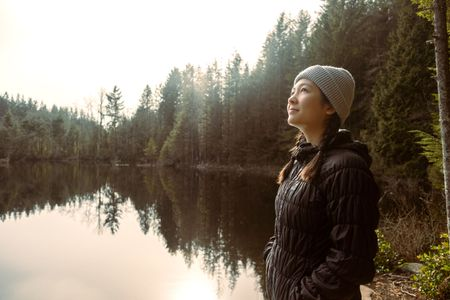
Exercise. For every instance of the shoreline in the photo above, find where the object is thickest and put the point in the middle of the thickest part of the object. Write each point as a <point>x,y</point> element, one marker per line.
<point>258,169</point>
<point>267,170</point>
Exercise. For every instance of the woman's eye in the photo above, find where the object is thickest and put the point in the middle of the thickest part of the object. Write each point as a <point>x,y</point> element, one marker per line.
<point>303,90</point>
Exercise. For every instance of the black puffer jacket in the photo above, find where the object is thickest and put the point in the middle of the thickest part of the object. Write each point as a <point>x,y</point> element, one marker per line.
<point>324,237</point>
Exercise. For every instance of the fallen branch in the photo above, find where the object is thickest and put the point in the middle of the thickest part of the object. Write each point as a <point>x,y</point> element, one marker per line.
<point>408,293</point>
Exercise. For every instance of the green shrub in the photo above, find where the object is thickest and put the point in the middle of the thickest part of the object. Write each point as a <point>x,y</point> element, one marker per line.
<point>387,259</point>
<point>432,280</point>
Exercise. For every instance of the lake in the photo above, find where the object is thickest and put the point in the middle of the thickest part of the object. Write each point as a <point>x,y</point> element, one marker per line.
<point>79,231</point>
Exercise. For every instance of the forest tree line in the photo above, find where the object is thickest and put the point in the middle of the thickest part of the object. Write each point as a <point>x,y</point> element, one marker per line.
<point>237,115</point>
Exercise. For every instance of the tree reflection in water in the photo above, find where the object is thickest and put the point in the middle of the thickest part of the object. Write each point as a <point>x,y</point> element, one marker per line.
<point>223,218</point>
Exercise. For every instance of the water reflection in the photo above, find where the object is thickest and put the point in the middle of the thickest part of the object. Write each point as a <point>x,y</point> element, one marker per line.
<point>216,222</point>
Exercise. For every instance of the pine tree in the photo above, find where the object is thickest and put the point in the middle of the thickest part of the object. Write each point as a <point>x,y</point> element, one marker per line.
<point>231,112</point>
<point>151,151</point>
<point>114,107</point>
<point>9,135</point>
<point>431,145</point>
<point>58,132</point>
<point>142,125</point>
<point>211,120</point>
<point>145,102</point>
<point>352,34</point>
<point>170,99</point>
<point>402,94</point>
<point>277,68</point>
<point>299,41</point>
<point>181,146</point>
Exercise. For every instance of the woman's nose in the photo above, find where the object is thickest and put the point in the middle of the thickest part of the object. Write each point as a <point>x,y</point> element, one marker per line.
<point>291,99</point>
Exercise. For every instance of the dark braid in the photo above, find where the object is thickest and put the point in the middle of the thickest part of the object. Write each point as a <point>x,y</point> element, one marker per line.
<point>312,169</point>
<point>293,151</point>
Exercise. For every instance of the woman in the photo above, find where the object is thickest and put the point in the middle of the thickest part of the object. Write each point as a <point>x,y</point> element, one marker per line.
<point>326,209</point>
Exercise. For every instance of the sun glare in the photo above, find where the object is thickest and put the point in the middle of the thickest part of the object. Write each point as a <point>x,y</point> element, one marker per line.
<point>196,288</point>
<point>61,52</point>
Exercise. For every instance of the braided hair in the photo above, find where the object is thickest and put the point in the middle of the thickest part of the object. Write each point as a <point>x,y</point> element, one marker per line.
<point>311,170</point>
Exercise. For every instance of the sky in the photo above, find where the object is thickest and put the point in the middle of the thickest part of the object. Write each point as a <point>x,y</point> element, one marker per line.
<point>64,52</point>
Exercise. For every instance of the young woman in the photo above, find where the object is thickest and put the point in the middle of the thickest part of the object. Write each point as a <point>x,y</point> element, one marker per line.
<point>326,209</point>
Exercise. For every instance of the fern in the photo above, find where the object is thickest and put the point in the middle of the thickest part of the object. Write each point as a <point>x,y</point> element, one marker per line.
<point>431,145</point>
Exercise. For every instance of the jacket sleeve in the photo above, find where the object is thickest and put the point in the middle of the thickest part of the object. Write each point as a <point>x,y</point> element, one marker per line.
<point>352,208</point>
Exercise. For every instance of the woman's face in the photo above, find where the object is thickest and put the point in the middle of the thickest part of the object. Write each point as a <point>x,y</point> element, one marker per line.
<point>306,108</point>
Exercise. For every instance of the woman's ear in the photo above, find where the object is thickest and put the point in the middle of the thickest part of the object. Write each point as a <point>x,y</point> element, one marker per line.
<point>329,109</point>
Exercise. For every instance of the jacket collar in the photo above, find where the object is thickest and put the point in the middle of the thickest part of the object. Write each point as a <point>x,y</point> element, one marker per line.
<point>342,140</point>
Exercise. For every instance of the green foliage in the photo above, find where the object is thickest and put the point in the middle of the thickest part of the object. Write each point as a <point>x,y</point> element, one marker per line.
<point>353,34</point>
<point>170,98</point>
<point>401,99</point>
<point>425,8</point>
<point>210,127</point>
<point>151,151</point>
<point>181,146</point>
<point>146,100</point>
<point>172,150</point>
<point>114,106</point>
<point>431,146</point>
<point>9,135</point>
<point>432,149</point>
<point>233,133</point>
<point>141,127</point>
<point>283,56</point>
<point>432,280</point>
<point>386,259</point>
<point>33,132</point>
<point>237,114</point>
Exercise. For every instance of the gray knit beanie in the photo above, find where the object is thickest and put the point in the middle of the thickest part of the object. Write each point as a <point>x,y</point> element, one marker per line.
<point>337,84</point>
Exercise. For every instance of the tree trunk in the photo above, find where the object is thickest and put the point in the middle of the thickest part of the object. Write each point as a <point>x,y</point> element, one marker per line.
<point>99,130</point>
<point>443,81</point>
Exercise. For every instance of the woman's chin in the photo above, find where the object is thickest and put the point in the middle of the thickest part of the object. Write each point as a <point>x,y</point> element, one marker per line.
<point>293,123</point>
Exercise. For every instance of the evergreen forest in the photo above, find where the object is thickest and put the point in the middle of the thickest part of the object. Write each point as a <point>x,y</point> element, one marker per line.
<point>236,115</point>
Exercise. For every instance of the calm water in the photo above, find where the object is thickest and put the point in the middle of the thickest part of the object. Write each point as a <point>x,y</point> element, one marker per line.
<point>89,232</point>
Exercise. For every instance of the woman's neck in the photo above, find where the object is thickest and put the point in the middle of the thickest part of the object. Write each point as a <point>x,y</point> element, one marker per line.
<point>313,135</point>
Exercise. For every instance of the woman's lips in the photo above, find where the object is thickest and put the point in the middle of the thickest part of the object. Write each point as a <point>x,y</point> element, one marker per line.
<point>292,110</point>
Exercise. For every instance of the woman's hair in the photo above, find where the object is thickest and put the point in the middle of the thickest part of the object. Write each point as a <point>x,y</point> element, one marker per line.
<point>312,169</point>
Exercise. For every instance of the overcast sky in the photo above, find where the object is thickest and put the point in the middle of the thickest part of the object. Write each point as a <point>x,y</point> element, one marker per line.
<point>64,51</point>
